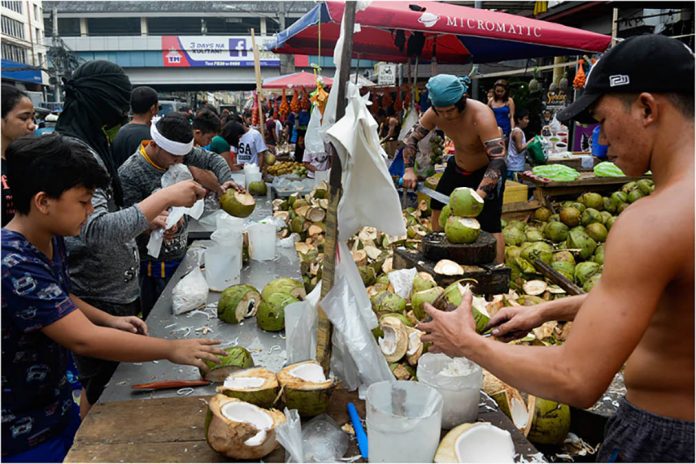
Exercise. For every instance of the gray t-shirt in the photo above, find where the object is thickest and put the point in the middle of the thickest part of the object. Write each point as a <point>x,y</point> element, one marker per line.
<point>103,261</point>
<point>140,179</point>
<point>128,140</point>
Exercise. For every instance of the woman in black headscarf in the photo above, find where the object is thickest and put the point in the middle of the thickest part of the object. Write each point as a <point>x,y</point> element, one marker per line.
<point>104,261</point>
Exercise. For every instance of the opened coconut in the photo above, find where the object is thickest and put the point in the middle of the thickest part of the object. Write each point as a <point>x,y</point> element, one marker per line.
<point>271,313</point>
<point>305,388</point>
<point>284,285</point>
<point>477,442</point>
<point>258,188</point>
<point>465,202</point>
<point>238,302</point>
<point>534,287</point>
<point>257,385</point>
<point>415,345</point>
<point>237,358</point>
<point>462,230</point>
<point>237,204</point>
<point>241,430</point>
<point>448,267</point>
<point>509,401</point>
<point>394,341</point>
<point>550,421</point>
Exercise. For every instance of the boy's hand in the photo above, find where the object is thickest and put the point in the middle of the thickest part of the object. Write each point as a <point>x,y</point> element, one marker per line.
<point>132,324</point>
<point>185,193</point>
<point>195,352</point>
<point>171,233</point>
<point>160,221</point>
<point>232,184</point>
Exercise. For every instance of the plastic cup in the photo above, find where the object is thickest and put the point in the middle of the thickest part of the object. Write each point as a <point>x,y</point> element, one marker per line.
<point>262,241</point>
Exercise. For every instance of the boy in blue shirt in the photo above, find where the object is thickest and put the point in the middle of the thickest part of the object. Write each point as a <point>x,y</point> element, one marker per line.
<point>53,178</point>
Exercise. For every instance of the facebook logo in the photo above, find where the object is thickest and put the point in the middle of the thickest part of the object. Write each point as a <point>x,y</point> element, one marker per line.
<point>238,47</point>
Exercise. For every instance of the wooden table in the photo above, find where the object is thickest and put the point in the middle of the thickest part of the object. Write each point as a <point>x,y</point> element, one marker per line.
<point>172,430</point>
<point>544,191</point>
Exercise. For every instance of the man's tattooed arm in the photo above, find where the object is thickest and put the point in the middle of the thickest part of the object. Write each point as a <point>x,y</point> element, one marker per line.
<point>415,135</point>
<point>495,148</point>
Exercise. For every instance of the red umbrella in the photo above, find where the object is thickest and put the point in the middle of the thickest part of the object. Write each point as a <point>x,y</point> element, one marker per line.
<point>298,79</point>
<point>454,34</point>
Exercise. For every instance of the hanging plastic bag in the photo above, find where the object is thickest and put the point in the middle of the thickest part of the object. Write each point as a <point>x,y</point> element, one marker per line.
<point>536,151</point>
<point>190,293</point>
<point>289,435</point>
<point>369,196</point>
<point>301,328</point>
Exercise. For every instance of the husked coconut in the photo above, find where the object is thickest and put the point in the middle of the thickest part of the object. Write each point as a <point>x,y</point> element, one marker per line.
<point>241,430</point>
<point>305,388</point>
<point>477,442</point>
<point>394,342</point>
<point>448,267</point>
<point>257,385</point>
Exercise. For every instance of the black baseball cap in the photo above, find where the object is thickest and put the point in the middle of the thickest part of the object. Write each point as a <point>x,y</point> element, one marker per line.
<point>645,63</point>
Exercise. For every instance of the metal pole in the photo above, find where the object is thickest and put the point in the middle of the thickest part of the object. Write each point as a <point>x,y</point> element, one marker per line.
<point>56,65</point>
<point>614,25</point>
<point>259,88</point>
<point>475,82</point>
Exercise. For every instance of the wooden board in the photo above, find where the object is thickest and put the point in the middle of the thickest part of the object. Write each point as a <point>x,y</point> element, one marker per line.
<point>491,279</point>
<point>436,247</point>
<point>171,430</point>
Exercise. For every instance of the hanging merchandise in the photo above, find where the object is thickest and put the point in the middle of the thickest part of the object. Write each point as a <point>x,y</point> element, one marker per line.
<point>255,111</point>
<point>579,81</point>
<point>304,102</point>
<point>295,102</point>
<point>563,83</point>
<point>284,108</point>
<point>319,97</point>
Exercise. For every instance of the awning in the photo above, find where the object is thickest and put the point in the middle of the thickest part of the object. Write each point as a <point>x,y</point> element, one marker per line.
<point>20,72</point>
<point>451,33</point>
<point>298,79</point>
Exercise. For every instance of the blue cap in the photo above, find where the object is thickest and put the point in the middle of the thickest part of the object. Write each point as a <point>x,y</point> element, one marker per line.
<point>446,89</point>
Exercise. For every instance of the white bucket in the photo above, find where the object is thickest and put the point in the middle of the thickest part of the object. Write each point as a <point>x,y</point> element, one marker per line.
<point>262,241</point>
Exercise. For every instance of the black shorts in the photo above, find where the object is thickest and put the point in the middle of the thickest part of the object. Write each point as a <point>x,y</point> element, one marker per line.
<point>634,435</point>
<point>96,373</point>
<point>453,177</point>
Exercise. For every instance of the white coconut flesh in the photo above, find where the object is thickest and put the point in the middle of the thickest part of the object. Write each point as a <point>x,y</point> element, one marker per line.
<point>469,223</point>
<point>250,414</point>
<point>244,198</point>
<point>414,342</point>
<point>388,343</point>
<point>243,383</point>
<point>519,413</point>
<point>448,267</point>
<point>534,287</point>
<point>484,443</point>
<point>312,373</point>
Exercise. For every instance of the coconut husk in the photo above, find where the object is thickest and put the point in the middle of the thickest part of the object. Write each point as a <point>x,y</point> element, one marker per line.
<point>264,396</point>
<point>360,257</point>
<point>315,214</point>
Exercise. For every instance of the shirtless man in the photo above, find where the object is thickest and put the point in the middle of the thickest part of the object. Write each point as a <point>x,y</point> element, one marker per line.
<point>479,160</point>
<point>641,313</point>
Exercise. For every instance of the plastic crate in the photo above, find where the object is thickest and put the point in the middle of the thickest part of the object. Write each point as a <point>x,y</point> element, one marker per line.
<point>515,192</point>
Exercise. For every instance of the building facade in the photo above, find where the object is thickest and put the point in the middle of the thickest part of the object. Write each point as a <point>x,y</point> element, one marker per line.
<point>23,52</point>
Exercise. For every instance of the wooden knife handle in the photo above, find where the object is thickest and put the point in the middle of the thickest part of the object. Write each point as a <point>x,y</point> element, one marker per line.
<point>166,384</point>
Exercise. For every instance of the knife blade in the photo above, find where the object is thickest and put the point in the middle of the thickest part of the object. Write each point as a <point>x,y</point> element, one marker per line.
<point>441,197</point>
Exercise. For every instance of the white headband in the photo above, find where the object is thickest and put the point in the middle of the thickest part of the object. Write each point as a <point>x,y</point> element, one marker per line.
<point>170,146</point>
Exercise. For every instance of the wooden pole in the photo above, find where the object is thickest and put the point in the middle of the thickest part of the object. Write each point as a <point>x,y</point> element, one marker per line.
<point>335,191</point>
<point>259,88</point>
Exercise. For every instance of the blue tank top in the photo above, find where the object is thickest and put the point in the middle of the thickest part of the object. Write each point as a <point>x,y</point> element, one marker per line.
<point>502,116</point>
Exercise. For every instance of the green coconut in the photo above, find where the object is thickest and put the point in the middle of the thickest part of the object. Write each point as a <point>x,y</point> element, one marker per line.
<point>368,275</point>
<point>621,207</point>
<point>284,285</point>
<point>422,281</point>
<point>465,202</point>
<point>585,270</point>
<point>619,197</point>
<point>258,188</point>
<point>513,235</point>
<point>237,204</point>
<point>418,299</point>
<point>270,159</point>
<point>517,225</point>
<point>646,186</point>
<point>592,200</point>
<point>512,252</point>
<point>564,255</point>
<point>525,266</point>
<point>444,215</point>
<point>610,222</point>
<point>532,234</point>
<point>609,206</point>
<point>241,430</point>
<point>305,388</point>
<point>388,302</point>
<point>257,386</point>
<point>462,230</point>
<point>578,205</point>
<point>538,250</point>
<point>542,214</point>
<point>271,313</point>
<point>578,239</point>
<point>589,285</point>
<point>606,215</point>
<point>570,216</point>
<point>564,268</point>
<point>635,195</point>
<point>597,231</point>
<point>589,216</point>
<point>432,181</point>
<point>550,422</point>
<point>238,302</point>
<point>237,358</point>
<point>384,280</point>
<point>452,297</point>
<point>556,231</point>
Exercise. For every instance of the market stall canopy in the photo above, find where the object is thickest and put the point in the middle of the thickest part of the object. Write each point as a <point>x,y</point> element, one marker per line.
<point>391,31</point>
<point>298,79</point>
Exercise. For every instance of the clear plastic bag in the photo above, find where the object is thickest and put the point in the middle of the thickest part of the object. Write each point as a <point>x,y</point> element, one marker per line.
<point>289,435</point>
<point>190,293</point>
<point>402,281</point>
<point>323,440</point>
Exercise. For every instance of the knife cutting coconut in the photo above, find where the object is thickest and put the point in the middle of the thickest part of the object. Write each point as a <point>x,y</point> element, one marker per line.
<point>479,160</point>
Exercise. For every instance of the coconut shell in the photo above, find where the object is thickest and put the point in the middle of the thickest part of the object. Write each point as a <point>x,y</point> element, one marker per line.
<point>550,422</point>
<point>264,396</point>
<point>309,398</point>
<point>237,358</point>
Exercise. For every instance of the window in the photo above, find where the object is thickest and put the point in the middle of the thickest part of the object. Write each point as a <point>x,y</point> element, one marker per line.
<point>41,63</point>
<point>37,35</point>
<point>12,27</point>
<point>234,26</point>
<point>113,26</point>
<point>15,6</point>
<point>14,53</point>
<point>69,27</point>
<point>36,12</point>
